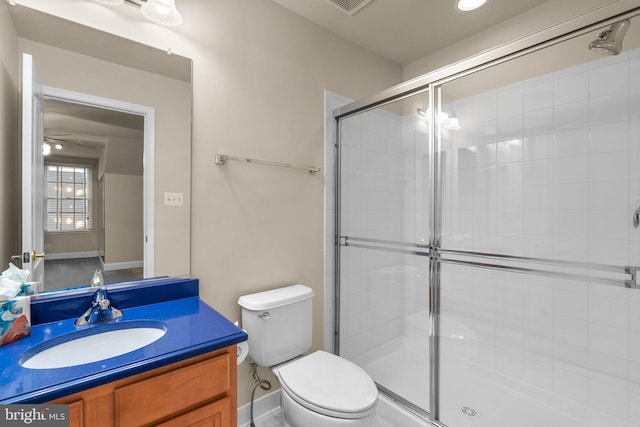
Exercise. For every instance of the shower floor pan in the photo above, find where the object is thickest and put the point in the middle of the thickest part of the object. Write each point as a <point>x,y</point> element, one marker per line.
<point>472,395</point>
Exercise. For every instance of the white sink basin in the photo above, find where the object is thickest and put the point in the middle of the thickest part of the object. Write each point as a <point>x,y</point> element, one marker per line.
<point>93,344</point>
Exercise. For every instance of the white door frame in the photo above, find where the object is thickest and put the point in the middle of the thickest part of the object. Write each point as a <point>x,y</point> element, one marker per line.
<point>32,171</point>
<point>149,114</point>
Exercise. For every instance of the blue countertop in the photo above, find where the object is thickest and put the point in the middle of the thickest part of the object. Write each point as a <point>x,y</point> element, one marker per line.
<point>193,328</point>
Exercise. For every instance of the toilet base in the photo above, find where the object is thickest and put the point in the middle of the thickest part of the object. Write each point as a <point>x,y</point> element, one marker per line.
<point>296,415</point>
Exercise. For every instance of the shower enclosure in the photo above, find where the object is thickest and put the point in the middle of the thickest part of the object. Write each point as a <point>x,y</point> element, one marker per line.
<point>487,241</point>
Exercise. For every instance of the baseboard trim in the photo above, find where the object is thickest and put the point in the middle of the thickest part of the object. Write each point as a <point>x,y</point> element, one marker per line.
<point>262,406</point>
<point>123,265</point>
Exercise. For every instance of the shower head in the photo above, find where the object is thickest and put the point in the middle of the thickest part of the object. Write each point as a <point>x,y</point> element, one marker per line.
<point>609,42</point>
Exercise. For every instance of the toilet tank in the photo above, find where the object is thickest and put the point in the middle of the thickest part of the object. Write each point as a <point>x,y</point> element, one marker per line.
<point>278,322</point>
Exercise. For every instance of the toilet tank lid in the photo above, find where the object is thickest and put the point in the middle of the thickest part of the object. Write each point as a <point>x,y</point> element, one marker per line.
<point>268,300</point>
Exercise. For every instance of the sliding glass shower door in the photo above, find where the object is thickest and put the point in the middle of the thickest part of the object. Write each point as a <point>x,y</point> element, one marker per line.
<point>488,242</point>
<point>384,229</point>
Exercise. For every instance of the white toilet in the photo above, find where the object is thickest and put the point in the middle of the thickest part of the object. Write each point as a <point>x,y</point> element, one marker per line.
<point>318,390</point>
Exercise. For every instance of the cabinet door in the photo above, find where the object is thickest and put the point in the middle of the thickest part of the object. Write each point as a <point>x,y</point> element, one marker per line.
<point>144,402</point>
<point>76,414</point>
<point>216,414</point>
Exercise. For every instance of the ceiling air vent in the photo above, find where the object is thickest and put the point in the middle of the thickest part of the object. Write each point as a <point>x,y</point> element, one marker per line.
<point>350,7</point>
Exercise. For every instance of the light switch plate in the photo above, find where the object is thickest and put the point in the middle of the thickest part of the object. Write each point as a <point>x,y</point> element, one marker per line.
<point>173,199</point>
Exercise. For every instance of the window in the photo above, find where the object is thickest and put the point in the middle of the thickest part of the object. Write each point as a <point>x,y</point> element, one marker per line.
<point>68,198</point>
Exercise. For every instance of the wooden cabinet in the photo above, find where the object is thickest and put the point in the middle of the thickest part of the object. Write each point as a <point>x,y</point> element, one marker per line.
<point>214,414</point>
<point>75,414</point>
<point>197,392</point>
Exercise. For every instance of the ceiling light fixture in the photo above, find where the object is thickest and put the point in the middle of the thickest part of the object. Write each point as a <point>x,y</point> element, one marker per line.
<point>46,149</point>
<point>452,122</point>
<point>447,121</point>
<point>163,12</point>
<point>425,114</point>
<point>467,5</point>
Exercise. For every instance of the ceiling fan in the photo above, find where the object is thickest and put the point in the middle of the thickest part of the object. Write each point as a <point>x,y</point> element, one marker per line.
<point>69,140</point>
<point>73,139</point>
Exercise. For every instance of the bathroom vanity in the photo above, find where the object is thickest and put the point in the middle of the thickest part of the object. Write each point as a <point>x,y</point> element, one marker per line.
<point>199,390</point>
<point>188,376</point>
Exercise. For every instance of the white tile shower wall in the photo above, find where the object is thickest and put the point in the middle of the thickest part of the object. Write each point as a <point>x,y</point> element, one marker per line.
<point>416,217</point>
<point>549,168</point>
<point>372,203</point>
<point>382,198</point>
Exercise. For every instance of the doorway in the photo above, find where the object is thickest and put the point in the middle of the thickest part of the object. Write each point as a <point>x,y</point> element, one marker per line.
<point>109,144</point>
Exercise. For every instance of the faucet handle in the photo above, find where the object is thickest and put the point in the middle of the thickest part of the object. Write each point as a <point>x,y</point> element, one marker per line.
<point>99,295</point>
<point>104,303</point>
<point>100,310</point>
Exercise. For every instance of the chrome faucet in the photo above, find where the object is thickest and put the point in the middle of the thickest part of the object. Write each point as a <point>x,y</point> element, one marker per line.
<point>100,310</point>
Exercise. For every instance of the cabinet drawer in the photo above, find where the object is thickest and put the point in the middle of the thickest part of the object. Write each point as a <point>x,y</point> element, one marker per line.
<point>214,414</point>
<point>170,393</point>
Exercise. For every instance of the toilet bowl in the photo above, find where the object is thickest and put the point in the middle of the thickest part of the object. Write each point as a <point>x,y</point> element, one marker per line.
<point>322,390</point>
<point>318,390</point>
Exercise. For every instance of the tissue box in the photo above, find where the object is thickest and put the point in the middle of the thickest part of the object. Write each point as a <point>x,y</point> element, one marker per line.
<point>28,288</point>
<point>15,319</point>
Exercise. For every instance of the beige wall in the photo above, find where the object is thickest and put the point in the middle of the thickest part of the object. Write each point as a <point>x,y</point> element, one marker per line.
<point>259,85</point>
<point>63,69</point>
<point>123,218</point>
<point>260,72</point>
<point>8,137</point>
<point>124,156</point>
<point>64,243</point>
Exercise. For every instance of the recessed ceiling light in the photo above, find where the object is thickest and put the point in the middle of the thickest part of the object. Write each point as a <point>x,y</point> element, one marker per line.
<point>467,5</point>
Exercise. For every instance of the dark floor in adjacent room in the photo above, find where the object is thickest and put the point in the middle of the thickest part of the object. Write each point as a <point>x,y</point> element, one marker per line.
<point>71,273</point>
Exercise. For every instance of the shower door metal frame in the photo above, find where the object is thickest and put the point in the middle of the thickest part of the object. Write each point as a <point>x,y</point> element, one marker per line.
<point>431,82</point>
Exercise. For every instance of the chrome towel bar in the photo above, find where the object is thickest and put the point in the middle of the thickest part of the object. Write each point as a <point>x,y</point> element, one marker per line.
<point>220,159</point>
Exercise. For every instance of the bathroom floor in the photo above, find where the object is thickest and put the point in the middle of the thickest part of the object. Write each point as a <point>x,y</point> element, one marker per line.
<point>270,420</point>
<point>66,273</point>
<point>69,273</point>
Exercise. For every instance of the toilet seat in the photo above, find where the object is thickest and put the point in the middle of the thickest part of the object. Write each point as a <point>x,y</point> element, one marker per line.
<point>329,385</point>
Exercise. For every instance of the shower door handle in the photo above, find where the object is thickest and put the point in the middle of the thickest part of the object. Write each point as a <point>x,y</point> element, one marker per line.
<point>636,218</point>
